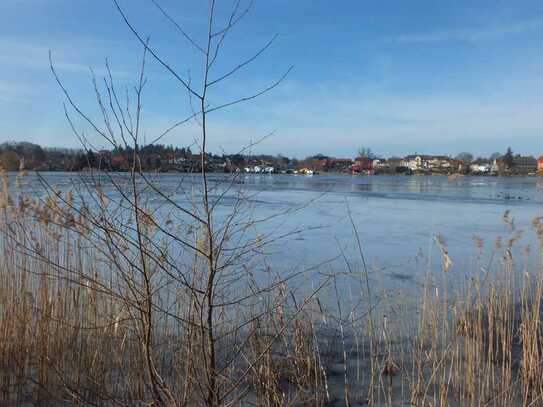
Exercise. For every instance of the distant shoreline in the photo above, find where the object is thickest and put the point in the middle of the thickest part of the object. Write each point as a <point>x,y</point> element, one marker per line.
<point>317,174</point>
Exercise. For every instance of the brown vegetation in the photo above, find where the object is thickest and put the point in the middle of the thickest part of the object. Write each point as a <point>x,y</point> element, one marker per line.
<point>83,322</point>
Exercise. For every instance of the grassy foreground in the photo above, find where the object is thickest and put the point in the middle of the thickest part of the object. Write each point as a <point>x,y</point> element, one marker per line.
<point>81,325</point>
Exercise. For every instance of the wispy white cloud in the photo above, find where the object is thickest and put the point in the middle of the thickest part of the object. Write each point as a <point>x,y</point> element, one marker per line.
<point>11,92</point>
<point>19,54</point>
<point>475,34</point>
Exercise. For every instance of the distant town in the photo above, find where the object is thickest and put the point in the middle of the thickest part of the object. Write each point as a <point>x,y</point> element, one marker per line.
<point>16,155</point>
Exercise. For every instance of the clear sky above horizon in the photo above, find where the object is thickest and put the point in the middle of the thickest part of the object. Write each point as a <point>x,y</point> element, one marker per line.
<point>396,76</point>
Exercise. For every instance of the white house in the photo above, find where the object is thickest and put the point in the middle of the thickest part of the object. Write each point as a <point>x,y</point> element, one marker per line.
<point>480,168</point>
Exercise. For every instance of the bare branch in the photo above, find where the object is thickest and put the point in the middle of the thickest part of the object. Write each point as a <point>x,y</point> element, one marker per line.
<point>74,105</point>
<point>153,53</point>
<point>245,63</point>
<point>173,127</point>
<point>179,28</point>
<point>233,19</point>
<point>245,99</point>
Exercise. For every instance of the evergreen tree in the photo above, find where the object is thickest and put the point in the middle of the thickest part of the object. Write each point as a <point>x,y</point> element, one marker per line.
<point>509,159</point>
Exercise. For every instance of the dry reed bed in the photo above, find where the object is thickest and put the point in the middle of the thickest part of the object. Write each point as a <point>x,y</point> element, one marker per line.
<point>71,333</point>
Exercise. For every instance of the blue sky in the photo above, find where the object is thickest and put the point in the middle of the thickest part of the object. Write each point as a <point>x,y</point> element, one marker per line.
<point>397,76</point>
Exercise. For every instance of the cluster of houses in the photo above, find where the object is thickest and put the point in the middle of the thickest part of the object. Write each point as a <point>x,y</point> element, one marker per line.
<point>309,166</point>
<point>416,163</point>
<point>411,164</point>
<point>366,165</point>
<point>169,158</point>
<point>259,168</point>
<point>361,165</point>
<point>427,164</point>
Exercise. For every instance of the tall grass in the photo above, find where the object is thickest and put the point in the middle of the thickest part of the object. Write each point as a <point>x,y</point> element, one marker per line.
<point>70,331</point>
<point>81,321</point>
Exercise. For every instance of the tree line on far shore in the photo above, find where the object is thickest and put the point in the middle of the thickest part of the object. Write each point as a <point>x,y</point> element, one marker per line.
<point>158,157</point>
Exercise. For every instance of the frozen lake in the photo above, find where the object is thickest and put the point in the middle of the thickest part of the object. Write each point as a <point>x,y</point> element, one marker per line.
<point>397,218</point>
